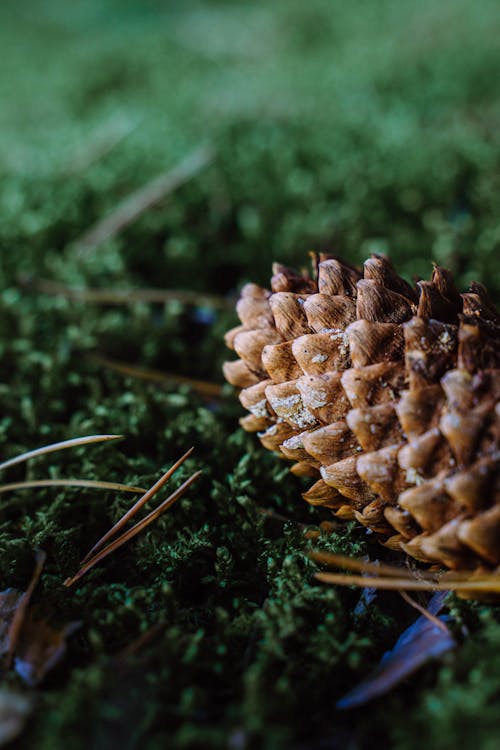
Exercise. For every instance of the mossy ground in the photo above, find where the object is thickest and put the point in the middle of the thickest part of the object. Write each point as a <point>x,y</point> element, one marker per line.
<point>342,126</point>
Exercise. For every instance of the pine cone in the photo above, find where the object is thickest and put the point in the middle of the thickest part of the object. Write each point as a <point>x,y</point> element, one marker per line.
<point>387,394</point>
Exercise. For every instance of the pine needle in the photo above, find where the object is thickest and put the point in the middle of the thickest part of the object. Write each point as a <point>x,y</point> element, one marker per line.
<point>393,578</point>
<point>104,141</point>
<point>487,583</point>
<point>393,571</point>
<point>203,387</point>
<point>425,612</point>
<point>106,296</point>
<point>141,200</point>
<point>58,447</point>
<point>142,640</point>
<point>361,566</point>
<point>148,494</point>
<point>137,528</point>
<point>91,483</point>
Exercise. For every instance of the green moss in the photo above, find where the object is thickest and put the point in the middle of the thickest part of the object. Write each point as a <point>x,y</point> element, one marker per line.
<point>465,697</point>
<point>341,127</point>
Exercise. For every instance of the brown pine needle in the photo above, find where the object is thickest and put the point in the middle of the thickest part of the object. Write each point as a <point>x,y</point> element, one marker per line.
<point>142,640</point>
<point>117,543</point>
<point>268,513</point>
<point>91,483</point>
<point>106,296</point>
<point>58,447</point>
<point>148,494</point>
<point>203,387</point>
<point>425,612</point>
<point>104,141</point>
<point>487,583</point>
<point>17,620</point>
<point>393,571</point>
<point>141,200</point>
<point>364,566</point>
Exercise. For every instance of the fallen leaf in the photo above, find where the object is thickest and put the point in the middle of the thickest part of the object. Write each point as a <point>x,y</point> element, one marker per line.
<point>13,604</point>
<point>14,711</point>
<point>9,602</point>
<point>422,641</point>
<point>40,647</point>
<point>26,638</point>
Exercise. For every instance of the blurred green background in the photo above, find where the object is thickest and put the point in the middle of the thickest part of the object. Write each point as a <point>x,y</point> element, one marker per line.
<point>347,127</point>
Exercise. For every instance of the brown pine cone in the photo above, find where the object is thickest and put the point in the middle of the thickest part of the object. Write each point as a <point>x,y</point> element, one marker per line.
<point>387,394</point>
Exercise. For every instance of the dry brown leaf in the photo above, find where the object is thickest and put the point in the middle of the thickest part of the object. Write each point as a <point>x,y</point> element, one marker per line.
<point>14,711</point>
<point>13,606</point>
<point>26,638</point>
<point>10,600</point>
<point>40,647</point>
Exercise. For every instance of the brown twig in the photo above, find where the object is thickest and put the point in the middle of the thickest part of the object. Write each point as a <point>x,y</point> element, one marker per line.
<point>204,387</point>
<point>143,199</point>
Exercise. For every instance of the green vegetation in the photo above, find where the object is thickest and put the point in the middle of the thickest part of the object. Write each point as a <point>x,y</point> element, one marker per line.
<point>347,127</point>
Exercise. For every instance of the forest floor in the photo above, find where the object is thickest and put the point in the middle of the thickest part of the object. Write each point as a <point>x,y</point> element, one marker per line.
<point>215,137</point>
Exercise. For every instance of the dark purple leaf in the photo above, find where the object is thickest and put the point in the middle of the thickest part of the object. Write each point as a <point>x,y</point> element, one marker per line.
<point>421,642</point>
